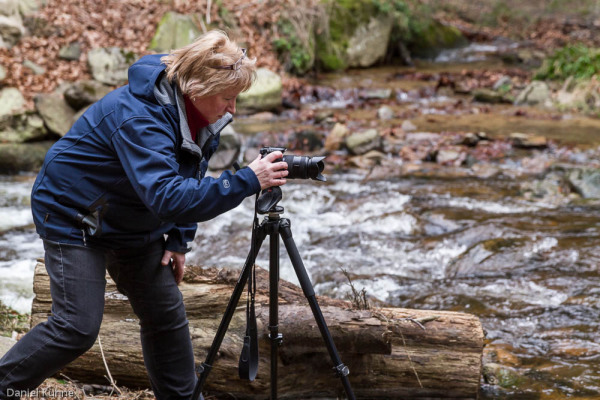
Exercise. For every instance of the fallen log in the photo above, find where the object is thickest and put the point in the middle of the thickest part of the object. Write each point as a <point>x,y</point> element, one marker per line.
<point>391,352</point>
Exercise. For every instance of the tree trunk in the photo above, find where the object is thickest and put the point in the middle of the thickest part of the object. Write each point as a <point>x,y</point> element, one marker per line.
<point>391,352</point>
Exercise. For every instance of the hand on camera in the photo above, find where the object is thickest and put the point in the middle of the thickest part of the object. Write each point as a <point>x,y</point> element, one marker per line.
<point>269,172</point>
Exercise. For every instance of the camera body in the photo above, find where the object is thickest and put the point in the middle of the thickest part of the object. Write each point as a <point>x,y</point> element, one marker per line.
<point>300,167</point>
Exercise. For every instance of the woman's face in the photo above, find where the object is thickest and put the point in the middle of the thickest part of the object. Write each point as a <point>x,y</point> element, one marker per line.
<point>214,107</point>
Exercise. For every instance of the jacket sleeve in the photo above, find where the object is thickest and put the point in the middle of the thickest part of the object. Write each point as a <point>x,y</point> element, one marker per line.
<point>180,236</point>
<point>147,153</point>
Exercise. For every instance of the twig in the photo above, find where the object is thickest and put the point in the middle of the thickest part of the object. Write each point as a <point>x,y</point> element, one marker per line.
<point>112,382</point>
<point>410,362</point>
<point>208,5</point>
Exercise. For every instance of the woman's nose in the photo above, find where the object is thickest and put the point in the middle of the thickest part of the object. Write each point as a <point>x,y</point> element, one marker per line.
<point>231,106</point>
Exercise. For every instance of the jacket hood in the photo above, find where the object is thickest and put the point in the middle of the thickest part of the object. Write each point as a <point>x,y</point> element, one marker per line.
<point>144,74</point>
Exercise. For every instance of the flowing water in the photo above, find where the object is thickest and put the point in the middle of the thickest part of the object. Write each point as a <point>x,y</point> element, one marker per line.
<point>527,268</point>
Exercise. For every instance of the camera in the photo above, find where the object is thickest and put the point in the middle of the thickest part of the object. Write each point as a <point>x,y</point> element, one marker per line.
<point>300,167</point>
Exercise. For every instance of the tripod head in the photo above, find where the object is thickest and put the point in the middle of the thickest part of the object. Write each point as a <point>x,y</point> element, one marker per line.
<point>267,202</point>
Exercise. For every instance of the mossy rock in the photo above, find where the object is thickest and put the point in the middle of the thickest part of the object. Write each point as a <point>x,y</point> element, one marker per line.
<point>433,37</point>
<point>174,31</point>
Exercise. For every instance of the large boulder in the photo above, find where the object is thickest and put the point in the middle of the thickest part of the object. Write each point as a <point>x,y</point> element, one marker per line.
<point>56,113</point>
<point>264,95</point>
<point>11,100</point>
<point>19,157</point>
<point>11,23</point>
<point>109,65</point>
<point>433,37</point>
<point>22,127</point>
<point>228,151</point>
<point>368,45</point>
<point>174,31</point>
<point>536,93</point>
<point>83,93</point>
<point>363,142</point>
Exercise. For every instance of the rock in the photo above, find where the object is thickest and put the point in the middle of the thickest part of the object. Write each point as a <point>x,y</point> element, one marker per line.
<point>484,95</point>
<point>363,142</point>
<point>83,93</point>
<point>27,7</point>
<point>385,113</point>
<point>408,126</point>
<point>580,95</point>
<point>528,141</point>
<point>5,344</point>
<point>376,94</point>
<point>109,64</point>
<point>336,137</point>
<point>368,45</point>
<point>56,113</point>
<point>585,181</point>
<point>11,24</point>
<point>367,160</point>
<point>451,155</point>
<point>11,100</point>
<point>435,37</point>
<point>496,374</point>
<point>536,93</point>
<point>264,95</point>
<point>503,82</point>
<point>19,157</point>
<point>70,52</point>
<point>228,151</point>
<point>174,31</point>
<point>22,127</point>
<point>37,69</point>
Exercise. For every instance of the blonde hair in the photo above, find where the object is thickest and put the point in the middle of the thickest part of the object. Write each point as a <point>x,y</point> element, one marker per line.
<point>192,66</point>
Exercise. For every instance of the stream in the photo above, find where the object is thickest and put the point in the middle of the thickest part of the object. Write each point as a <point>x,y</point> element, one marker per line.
<point>527,267</point>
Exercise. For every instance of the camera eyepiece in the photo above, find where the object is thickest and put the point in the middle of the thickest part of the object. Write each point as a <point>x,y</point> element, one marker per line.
<point>300,167</point>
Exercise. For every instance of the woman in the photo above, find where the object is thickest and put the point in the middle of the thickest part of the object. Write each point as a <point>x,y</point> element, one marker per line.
<point>122,192</point>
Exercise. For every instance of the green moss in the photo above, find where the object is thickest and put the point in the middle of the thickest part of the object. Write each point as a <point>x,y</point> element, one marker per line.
<point>294,52</point>
<point>576,61</point>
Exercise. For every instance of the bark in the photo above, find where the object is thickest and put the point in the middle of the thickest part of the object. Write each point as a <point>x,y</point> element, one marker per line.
<point>391,352</point>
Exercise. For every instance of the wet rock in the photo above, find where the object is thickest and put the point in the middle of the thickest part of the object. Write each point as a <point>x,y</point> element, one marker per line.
<point>385,113</point>
<point>70,52</point>
<point>56,113</point>
<point>264,95</point>
<point>451,155</point>
<point>173,32</point>
<point>363,142</point>
<point>19,157</point>
<point>22,127</point>
<point>228,150</point>
<point>553,188</point>
<point>335,139</point>
<point>367,160</point>
<point>484,95</point>
<point>11,100</point>
<point>536,93</point>
<point>368,45</point>
<point>528,141</point>
<point>585,181</point>
<point>376,94</point>
<point>496,374</point>
<point>434,38</point>
<point>83,93</point>
<point>109,64</point>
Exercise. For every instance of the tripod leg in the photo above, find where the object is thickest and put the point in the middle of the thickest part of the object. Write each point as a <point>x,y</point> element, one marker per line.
<point>259,236</point>
<point>274,334</point>
<point>341,370</point>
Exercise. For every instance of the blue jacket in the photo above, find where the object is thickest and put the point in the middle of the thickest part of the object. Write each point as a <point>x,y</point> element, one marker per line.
<point>130,166</point>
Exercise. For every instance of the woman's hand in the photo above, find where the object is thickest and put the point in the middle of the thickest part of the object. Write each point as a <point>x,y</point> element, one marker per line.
<point>268,172</point>
<point>177,263</point>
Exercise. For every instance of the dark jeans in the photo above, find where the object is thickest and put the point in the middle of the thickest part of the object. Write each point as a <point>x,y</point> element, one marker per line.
<point>77,283</point>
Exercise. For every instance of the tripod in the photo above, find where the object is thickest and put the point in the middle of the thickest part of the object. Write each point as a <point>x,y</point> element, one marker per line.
<point>274,226</point>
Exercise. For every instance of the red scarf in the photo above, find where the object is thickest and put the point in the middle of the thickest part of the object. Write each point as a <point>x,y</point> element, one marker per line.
<point>195,120</point>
